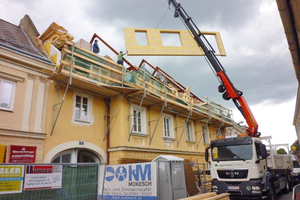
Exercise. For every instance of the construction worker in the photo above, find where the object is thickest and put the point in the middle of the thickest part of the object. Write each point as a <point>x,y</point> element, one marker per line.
<point>96,48</point>
<point>120,57</point>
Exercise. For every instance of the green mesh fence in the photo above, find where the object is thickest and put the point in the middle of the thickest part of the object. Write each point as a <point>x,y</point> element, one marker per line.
<point>96,69</point>
<point>79,182</point>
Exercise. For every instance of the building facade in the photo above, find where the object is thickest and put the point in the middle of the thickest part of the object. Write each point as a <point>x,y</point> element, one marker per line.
<point>24,73</point>
<point>100,111</point>
<point>66,104</point>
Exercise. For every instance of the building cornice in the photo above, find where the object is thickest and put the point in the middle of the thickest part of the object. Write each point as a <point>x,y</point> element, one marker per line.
<point>296,113</point>
<point>125,148</point>
<point>26,134</point>
<point>20,59</point>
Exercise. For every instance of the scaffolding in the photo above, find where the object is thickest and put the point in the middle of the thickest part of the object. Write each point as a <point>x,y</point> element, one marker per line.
<point>57,90</point>
<point>100,75</point>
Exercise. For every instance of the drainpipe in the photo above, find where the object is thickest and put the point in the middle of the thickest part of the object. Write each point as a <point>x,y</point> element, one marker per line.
<point>107,104</point>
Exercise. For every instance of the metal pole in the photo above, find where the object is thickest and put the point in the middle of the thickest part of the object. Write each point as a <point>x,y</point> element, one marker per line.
<point>204,177</point>
<point>59,109</point>
<point>157,122</point>
<point>103,181</point>
<point>72,63</point>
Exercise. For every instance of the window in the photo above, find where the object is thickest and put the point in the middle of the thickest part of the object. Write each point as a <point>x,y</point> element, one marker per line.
<point>170,39</point>
<point>138,120</point>
<point>189,132</point>
<point>7,90</point>
<point>141,38</point>
<point>75,156</point>
<point>168,126</point>
<point>296,164</point>
<point>81,109</point>
<point>232,152</point>
<point>205,134</point>
<point>64,158</point>
<point>258,153</point>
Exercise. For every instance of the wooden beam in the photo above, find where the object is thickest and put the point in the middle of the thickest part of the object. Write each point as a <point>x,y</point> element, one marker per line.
<point>209,196</point>
<point>200,196</point>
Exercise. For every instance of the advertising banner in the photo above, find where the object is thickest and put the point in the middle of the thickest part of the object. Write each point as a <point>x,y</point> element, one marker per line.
<point>39,177</point>
<point>130,182</point>
<point>22,154</point>
<point>11,179</point>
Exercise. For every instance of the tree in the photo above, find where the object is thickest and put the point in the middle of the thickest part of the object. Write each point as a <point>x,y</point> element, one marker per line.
<point>281,151</point>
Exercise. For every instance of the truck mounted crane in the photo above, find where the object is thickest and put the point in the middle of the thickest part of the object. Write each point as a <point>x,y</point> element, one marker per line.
<point>238,165</point>
<point>226,87</point>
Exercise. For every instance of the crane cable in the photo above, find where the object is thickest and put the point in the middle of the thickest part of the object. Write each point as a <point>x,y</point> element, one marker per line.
<point>209,64</point>
<point>163,16</point>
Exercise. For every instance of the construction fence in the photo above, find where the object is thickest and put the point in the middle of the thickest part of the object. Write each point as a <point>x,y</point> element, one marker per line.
<point>90,181</point>
<point>49,181</point>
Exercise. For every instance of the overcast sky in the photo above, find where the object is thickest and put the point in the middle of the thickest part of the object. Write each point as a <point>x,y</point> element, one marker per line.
<point>258,60</point>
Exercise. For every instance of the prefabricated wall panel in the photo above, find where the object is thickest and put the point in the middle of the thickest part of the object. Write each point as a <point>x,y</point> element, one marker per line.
<point>155,47</point>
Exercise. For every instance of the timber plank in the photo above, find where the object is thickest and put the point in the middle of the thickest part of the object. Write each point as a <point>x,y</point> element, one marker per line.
<point>223,196</point>
<point>91,72</point>
<point>92,53</point>
<point>201,196</point>
<point>209,196</point>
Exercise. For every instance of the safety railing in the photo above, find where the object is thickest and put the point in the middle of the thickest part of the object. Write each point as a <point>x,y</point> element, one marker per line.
<point>296,192</point>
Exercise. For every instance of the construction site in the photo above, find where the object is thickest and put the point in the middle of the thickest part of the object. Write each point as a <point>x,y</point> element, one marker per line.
<point>79,124</point>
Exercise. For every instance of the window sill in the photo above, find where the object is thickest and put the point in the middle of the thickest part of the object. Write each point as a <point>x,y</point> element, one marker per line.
<point>81,121</point>
<point>191,142</point>
<point>169,138</point>
<point>6,109</point>
<point>139,134</point>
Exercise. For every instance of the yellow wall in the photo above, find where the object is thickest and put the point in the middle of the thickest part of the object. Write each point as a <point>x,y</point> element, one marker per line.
<point>120,132</point>
<point>13,120</point>
<point>116,156</point>
<point>66,129</point>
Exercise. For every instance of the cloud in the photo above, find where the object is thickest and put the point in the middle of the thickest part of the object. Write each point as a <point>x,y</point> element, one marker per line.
<point>258,61</point>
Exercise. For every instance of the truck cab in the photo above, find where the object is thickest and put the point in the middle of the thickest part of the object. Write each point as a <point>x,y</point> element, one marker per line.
<point>238,166</point>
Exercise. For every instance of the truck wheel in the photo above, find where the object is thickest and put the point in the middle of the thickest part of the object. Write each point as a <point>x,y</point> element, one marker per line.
<point>271,193</point>
<point>286,190</point>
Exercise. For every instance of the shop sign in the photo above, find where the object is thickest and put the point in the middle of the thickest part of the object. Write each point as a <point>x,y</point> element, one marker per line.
<point>39,177</point>
<point>11,179</point>
<point>22,154</point>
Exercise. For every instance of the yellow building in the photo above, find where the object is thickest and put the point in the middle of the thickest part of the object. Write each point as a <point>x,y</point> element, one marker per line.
<point>99,111</point>
<point>24,73</point>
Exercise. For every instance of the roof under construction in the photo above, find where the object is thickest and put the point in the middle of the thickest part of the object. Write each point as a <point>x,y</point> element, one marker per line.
<point>103,76</point>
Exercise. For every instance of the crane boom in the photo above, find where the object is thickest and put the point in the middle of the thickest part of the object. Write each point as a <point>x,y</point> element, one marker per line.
<point>226,87</point>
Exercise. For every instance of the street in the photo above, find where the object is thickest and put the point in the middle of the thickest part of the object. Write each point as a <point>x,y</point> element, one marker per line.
<point>285,196</point>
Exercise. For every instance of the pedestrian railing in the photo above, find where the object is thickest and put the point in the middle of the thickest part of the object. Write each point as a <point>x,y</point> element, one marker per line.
<point>296,192</point>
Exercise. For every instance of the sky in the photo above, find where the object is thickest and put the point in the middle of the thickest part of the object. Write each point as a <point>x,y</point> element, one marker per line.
<point>258,61</point>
